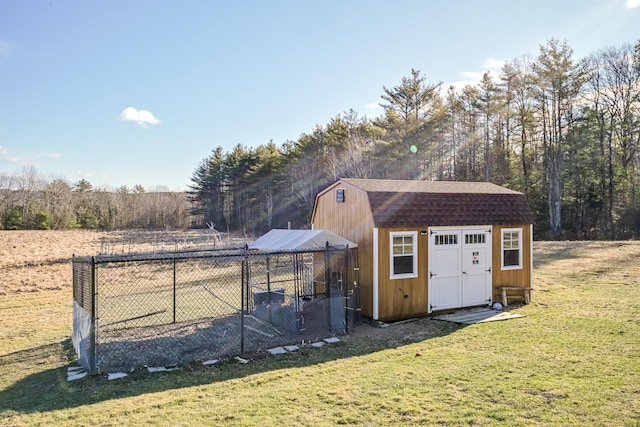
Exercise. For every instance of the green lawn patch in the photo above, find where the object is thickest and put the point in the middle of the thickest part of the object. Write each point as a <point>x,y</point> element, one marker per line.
<point>574,359</point>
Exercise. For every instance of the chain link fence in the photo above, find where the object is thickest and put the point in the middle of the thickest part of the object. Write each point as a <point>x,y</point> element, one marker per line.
<point>168,308</point>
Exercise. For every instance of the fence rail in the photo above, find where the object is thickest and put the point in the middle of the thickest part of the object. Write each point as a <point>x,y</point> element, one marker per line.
<point>159,309</point>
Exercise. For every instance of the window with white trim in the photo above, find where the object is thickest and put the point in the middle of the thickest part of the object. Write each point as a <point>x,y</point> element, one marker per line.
<point>511,248</point>
<point>404,254</point>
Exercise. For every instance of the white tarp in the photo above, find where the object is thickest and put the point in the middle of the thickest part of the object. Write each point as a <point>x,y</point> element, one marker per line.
<point>290,240</point>
<point>82,331</point>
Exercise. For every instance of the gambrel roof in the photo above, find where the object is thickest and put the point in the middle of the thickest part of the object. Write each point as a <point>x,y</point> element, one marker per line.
<point>398,203</point>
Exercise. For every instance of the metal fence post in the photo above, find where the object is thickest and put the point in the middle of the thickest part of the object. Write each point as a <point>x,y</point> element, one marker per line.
<point>74,278</point>
<point>93,353</point>
<point>345,293</point>
<point>174,289</point>
<point>244,279</point>
<point>269,288</point>
<point>327,281</point>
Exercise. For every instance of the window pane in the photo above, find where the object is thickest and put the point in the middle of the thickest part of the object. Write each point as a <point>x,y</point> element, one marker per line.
<point>403,264</point>
<point>511,257</point>
<point>511,240</point>
<point>397,240</point>
<point>446,239</point>
<point>471,239</point>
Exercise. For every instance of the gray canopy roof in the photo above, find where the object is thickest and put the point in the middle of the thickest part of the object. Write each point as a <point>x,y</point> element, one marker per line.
<point>291,240</point>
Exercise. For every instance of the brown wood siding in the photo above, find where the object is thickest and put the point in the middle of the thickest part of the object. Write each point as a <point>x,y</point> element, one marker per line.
<point>353,221</point>
<point>521,277</point>
<point>392,303</point>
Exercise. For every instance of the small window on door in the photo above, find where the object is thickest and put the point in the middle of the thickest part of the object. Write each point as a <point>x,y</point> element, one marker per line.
<point>446,239</point>
<point>404,254</point>
<point>511,248</point>
<point>473,239</point>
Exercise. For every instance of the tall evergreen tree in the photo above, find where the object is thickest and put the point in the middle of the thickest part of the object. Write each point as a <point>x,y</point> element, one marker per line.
<point>207,190</point>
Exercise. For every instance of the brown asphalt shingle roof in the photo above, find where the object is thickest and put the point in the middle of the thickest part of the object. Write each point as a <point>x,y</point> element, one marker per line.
<point>396,203</point>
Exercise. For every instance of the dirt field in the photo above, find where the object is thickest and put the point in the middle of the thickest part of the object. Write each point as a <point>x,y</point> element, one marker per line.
<point>33,261</point>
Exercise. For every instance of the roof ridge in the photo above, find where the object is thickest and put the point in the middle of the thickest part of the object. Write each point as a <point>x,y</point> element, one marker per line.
<point>421,186</point>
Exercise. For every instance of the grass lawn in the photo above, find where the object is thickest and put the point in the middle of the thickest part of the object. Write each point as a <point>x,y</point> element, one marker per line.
<point>574,359</point>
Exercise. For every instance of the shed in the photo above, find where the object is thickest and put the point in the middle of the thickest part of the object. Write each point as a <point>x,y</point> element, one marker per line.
<point>428,246</point>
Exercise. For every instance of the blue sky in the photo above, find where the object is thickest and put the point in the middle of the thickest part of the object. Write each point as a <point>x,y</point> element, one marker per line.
<point>139,92</point>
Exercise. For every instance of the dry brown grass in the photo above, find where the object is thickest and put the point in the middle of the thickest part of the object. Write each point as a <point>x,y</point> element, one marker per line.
<point>33,261</point>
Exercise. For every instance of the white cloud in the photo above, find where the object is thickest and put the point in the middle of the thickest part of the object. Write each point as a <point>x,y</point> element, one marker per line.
<point>493,64</point>
<point>473,76</point>
<point>10,156</point>
<point>632,4</point>
<point>490,64</point>
<point>16,160</point>
<point>143,118</point>
<point>7,156</point>
<point>86,175</point>
<point>373,110</point>
<point>6,49</point>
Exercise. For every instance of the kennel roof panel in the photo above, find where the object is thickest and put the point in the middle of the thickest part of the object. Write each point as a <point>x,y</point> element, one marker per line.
<point>291,240</point>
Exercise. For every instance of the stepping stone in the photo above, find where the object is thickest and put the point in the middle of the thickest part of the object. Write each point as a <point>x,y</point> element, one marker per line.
<point>277,350</point>
<point>317,344</point>
<point>380,324</point>
<point>161,369</point>
<point>210,362</point>
<point>331,340</point>
<point>291,347</point>
<point>116,375</point>
<point>77,376</point>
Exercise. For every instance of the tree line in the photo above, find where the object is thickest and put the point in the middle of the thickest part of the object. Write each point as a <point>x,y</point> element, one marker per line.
<point>564,131</point>
<point>29,201</point>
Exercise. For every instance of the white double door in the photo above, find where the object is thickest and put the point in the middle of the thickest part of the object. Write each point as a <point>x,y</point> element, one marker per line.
<point>459,267</point>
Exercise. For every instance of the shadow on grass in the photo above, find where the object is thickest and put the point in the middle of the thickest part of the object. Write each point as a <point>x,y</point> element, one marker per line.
<point>48,390</point>
<point>548,252</point>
